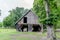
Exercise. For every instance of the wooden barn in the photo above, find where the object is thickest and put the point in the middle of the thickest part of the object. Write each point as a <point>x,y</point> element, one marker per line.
<point>28,22</point>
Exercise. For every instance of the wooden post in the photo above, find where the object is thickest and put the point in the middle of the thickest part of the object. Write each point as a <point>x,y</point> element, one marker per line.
<point>29,28</point>
<point>20,28</point>
<point>16,27</point>
<point>42,28</point>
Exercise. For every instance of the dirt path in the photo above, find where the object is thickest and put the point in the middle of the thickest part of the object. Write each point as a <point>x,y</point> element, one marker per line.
<point>28,36</point>
<point>24,36</point>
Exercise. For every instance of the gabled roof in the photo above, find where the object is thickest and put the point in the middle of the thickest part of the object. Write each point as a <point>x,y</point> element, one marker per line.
<point>23,16</point>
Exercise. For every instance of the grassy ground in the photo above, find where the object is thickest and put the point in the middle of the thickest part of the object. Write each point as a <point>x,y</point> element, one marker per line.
<point>12,34</point>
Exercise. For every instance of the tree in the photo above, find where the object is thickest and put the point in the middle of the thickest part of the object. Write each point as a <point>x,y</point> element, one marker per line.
<point>0,24</point>
<point>50,32</point>
<point>7,21</point>
<point>50,17</point>
<point>15,14</point>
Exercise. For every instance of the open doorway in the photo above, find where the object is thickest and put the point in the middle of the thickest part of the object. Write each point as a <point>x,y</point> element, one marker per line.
<point>24,28</point>
<point>36,28</point>
<point>25,20</point>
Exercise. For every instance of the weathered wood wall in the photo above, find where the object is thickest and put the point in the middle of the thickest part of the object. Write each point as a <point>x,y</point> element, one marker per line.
<point>31,18</point>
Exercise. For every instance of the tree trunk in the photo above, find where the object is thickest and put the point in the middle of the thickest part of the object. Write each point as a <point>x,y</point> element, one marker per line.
<point>50,31</point>
<point>41,28</point>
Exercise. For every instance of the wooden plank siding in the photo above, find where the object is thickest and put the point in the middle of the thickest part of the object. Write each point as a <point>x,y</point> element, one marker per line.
<point>31,18</point>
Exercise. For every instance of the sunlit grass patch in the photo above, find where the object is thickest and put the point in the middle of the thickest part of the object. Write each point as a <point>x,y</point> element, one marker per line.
<point>7,30</point>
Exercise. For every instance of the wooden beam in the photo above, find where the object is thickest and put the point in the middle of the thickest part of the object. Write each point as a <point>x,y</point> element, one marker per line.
<point>30,28</point>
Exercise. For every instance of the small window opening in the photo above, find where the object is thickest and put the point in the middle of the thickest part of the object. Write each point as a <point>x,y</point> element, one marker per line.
<point>25,19</point>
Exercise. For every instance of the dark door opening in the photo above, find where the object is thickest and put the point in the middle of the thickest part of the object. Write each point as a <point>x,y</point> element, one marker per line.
<point>25,19</point>
<point>24,28</point>
<point>36,28</point>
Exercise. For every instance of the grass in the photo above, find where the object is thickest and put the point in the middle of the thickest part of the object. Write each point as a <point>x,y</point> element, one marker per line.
<point>12,34</point>
<point>58,35</point>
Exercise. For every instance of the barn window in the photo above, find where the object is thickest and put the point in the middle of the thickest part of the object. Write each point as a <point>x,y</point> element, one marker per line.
<point>25,19</point>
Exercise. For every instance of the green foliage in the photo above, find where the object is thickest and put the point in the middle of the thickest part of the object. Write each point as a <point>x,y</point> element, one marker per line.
<point>15,14</point>
<point>0,24</point>
<point>7,21</point>
<point>39,9</point>
<point>54,15</point>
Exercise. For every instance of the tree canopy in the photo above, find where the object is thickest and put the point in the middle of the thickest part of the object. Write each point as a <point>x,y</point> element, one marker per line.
<point>0,24</point>
<point>54,15</point>
<point>15,14</point>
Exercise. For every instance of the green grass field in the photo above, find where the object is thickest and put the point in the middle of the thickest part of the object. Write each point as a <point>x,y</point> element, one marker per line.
<point>12,34</point>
